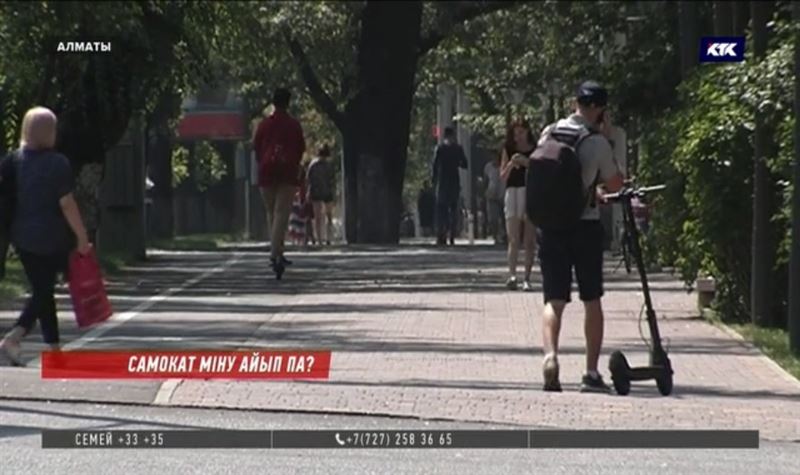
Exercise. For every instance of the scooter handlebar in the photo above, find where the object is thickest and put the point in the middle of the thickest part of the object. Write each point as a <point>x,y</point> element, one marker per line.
<point>629,192</point>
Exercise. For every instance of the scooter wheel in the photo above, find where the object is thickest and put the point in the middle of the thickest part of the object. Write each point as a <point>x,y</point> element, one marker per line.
<point>664,383</point>
<point>619,368</point>
<point>621,385</point>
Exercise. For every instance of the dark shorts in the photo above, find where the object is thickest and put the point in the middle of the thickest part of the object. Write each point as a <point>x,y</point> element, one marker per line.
<point>323,197</point>
<point>581,249</point>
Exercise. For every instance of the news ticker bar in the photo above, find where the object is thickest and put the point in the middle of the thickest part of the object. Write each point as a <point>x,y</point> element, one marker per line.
<point>400,439</point>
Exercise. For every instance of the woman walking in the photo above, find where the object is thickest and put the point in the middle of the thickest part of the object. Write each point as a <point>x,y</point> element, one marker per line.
<point>321,191</point>
<point>298,218</point>
<point>518,146</point>
<point>45,226</point>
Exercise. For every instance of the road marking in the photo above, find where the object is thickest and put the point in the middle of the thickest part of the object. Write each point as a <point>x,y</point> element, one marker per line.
<point>118,319</point>
<point>166,391</point>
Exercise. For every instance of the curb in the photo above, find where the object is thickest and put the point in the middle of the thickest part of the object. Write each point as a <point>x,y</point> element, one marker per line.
<point>751,346</point>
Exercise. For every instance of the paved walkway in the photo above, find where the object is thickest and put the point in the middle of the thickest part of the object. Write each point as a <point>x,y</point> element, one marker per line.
<point>431,333</point>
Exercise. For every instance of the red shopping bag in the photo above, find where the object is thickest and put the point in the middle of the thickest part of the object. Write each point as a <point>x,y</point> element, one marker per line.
<point>88,290</point>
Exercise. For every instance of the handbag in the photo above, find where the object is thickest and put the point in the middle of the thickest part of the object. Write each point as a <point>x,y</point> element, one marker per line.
<point>88,290</point>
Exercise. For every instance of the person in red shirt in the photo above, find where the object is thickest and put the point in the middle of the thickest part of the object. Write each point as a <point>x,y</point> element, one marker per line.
<point>279,147</point>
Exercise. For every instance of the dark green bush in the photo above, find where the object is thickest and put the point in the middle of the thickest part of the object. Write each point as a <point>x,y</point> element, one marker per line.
<point>703,149</point>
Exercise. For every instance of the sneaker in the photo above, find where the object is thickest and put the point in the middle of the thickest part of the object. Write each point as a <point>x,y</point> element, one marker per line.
<point>12,351</point>
<point>594,384</point>
<point>278,266</point>
<point>279,269</point>
<point>511,283</point>
<point>527,287</point>
<point>285,261</point>
<point>550,371</point>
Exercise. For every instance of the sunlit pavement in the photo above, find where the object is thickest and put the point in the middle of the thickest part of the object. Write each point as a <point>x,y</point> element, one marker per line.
<point>420,332</point>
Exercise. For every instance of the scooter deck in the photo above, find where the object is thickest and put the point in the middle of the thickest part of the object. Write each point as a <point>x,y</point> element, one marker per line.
<point>647,372</point>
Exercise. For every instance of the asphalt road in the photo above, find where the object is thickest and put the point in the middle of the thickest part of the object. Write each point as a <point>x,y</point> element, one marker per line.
<point>21,452</point>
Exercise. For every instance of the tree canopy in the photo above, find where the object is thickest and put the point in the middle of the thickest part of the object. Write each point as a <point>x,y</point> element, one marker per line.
<point>365,74</point>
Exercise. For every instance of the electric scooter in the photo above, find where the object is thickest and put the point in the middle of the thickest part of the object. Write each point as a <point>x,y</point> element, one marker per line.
<point>660,368</point>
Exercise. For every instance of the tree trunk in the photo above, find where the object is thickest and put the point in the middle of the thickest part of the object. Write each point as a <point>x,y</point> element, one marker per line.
<point>159,159</point>
<point>87,155</point>
<point>378,120</point>
<point>740,17</point>
<point>350,174</point>
<point>723,18</point>
<point>688,34</point>
<point>762,189</point>
<point>550,112</point>
<point>160,144</point>
<point>794,264</point>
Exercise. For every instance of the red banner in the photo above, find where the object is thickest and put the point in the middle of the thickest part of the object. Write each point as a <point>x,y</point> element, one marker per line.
<point>267,364</point>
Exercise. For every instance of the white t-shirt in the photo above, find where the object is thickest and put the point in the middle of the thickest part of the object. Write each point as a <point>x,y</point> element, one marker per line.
<point>596,157</point>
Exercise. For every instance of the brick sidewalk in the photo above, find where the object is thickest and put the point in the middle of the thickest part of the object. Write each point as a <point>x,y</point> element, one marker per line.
<point>430,333</point>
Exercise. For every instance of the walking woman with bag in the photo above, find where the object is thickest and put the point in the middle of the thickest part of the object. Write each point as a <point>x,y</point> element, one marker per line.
<point>45,226</point>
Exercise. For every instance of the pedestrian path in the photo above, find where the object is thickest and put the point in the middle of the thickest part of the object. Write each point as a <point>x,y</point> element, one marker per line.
<point>430,332</point>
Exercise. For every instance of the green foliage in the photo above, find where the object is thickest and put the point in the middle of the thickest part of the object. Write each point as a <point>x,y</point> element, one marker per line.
<point>205,166</point>
<point>774,342</point>
<point>703,150</point>
<point>420,147</point>
<point>180,165</point>
<point>156,46</point>
<point>192,242</point>
<point>536,49</point>
<point>13,285</point>
<point>208,168</point>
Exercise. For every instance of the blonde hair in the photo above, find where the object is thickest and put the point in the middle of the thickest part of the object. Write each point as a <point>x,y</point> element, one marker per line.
<point>38,129</point>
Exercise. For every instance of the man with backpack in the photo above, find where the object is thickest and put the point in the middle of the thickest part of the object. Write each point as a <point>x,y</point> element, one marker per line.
<point>279,146</point>
<point>573,158</point>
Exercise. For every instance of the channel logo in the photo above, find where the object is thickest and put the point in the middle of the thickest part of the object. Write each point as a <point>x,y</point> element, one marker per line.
<point>722,49</point>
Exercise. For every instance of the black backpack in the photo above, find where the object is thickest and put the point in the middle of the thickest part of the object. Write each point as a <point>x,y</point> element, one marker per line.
<point>555,195</point>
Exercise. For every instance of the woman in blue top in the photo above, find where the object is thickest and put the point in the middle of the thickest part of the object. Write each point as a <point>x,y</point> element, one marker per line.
<point>46,224</point>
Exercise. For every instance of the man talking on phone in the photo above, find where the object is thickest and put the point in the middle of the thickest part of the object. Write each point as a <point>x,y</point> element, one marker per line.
<point>580,247</point>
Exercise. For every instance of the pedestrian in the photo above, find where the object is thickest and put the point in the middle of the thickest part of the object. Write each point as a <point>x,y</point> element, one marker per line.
<point>449,157</point>
<point>45,226</point>
<point>580,245</point>
<point>279,146</point>
<point>518,146</point>
<point>321,191</point>
<point>298,220</point>
<point>495,195</point>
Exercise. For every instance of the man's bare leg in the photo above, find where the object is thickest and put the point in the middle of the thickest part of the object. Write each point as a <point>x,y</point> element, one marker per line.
<point>551,328</point>
<point>593,330</point>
